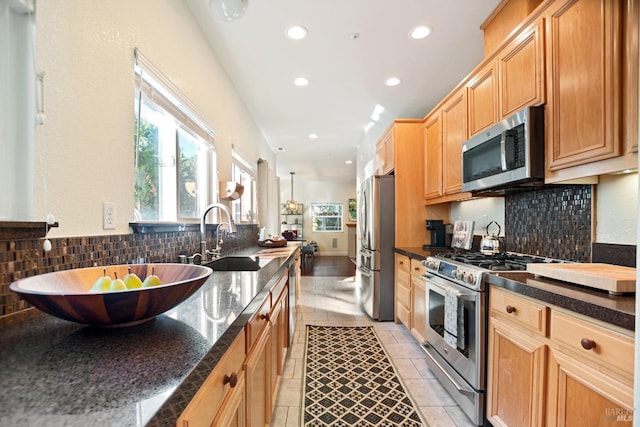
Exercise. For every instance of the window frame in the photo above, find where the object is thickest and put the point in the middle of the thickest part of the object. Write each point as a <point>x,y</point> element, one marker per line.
<point>181,123</point>
<point>315,227</point>
<point>241,166</point>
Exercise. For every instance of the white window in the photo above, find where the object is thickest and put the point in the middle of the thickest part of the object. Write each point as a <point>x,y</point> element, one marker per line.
<point>175,160</point>
<point>244,209</point>
<point>326,216</point>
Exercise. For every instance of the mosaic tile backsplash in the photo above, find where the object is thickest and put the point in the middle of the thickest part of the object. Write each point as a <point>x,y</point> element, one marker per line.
<point>553,222</point>
<point>24,258</point>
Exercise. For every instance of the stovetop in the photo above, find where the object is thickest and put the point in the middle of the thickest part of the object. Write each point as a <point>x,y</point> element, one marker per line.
<point>506,261</point>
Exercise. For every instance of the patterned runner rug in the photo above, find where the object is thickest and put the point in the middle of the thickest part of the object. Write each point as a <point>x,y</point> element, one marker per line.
<point>350,381</point>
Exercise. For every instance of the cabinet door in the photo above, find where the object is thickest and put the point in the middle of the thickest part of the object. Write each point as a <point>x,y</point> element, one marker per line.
<point>581,395</point>
<point>521,71</point>
<point>454,134</point>
<point>258,395</point>
<point>515,377</point>
<point>433,156</point>
<point>418,309</point>
<point>583,39</point>
<point>210,400</point>
<point>233,412</point>
<point>483,99</point>
<point>402,291</point>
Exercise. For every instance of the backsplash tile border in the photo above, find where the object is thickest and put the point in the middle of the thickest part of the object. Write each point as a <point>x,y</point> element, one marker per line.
<point>25,258</point>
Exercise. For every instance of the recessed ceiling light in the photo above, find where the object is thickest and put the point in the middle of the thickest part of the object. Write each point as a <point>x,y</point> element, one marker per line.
<point>419,33</point>
<point>313,136</point>
<point>301,81</point>
<point>297,32</point>
<point>392,81</point>
<point>349,162</point>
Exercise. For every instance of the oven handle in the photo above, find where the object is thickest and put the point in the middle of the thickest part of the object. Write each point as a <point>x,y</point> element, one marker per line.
<point>432,280</point>
<point>456,384</point>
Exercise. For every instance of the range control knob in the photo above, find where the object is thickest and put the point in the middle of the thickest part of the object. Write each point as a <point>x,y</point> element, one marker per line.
<point>454,273</point>
<point>460,274</point>
<point>470,278</point>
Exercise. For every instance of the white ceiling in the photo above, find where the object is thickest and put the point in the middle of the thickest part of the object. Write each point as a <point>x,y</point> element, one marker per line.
<point>346,76</point>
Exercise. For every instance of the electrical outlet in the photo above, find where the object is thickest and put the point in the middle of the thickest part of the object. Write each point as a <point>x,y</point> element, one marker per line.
<point>108,216</point>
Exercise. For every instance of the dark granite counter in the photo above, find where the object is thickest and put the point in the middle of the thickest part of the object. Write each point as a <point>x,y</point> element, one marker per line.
<point>56,372</point>
<point>420,253</point>
<point>615,310</point>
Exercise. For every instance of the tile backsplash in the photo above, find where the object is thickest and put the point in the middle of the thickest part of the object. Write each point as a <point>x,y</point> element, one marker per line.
<point>24,258</point>
<point>553,222</point>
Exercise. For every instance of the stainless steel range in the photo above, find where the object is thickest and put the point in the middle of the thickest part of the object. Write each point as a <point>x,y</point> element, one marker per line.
<point>457,322</point>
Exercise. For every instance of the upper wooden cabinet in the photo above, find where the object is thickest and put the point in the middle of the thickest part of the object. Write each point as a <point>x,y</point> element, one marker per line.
<point>445,130</point>
<point>521,71</point>
<point>433,155</point>
<point>483,98</point>
<point>454,134</point>
<point>385,157</point>
<point>583,82</point>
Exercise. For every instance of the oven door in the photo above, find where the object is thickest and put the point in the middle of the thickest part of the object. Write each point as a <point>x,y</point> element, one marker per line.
<point>467,357</point>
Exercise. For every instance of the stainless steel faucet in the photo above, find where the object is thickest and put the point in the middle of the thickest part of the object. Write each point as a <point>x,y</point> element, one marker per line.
<point>203,231</point>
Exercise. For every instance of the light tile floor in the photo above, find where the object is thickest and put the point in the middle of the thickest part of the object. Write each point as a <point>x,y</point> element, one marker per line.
<point>335,301</point>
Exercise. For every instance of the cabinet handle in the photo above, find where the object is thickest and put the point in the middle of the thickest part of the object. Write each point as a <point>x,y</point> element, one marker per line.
<point>232,379</point>
<point>587,344</point>
<point>510,309</point>
<point>265,317</point>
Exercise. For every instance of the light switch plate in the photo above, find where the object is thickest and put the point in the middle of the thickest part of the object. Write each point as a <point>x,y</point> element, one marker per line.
<point>108,215</point>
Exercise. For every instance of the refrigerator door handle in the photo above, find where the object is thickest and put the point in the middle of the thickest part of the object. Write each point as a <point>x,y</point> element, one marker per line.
<point>365,272</point>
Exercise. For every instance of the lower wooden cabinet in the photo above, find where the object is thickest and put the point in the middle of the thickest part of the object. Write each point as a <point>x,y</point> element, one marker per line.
<point>516,372</point>
<point>418,301</point>
<point>233,412</point>
<point>222,393</point>
<point>402,290</point>
<point>258,386</point>
<point>561,369</point>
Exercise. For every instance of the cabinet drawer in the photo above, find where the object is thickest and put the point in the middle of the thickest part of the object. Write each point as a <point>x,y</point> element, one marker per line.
<point>205,404</point>
<point>596,343</point>
<point>257,322</point>
<point>404,315</point>
<point>524,312</point>
<point>402,263</point>
<point>417,269</point>
<point>403,295</point>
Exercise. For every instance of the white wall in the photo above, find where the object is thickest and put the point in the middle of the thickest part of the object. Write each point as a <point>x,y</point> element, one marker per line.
<point>306,192</point>
<point>84,152</point>
<point>481,211</point>
<point>616,209</point>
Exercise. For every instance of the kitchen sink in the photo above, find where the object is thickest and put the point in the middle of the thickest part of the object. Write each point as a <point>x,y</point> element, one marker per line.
<point>234,263</point>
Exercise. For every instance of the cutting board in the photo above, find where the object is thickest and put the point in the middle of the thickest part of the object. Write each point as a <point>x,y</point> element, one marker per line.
<point>612,278</point>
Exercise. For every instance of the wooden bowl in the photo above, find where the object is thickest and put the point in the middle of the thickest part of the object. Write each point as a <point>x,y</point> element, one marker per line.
<point>66,294</point>
<point>269,243</point>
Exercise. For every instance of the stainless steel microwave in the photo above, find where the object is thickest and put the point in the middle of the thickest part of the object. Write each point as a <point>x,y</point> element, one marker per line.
<point>509,154</point>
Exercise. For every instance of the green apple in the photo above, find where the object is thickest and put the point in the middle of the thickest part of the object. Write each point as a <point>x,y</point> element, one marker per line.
<point>117,284</point>
<point>151,280</point>
<point>132,280</point>
<point>102,284</point>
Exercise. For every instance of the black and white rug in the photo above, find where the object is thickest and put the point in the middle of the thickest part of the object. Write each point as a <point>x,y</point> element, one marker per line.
<point>350,381</point>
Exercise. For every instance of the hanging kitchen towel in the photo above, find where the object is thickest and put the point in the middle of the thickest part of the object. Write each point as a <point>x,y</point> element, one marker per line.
<point>451,317</point>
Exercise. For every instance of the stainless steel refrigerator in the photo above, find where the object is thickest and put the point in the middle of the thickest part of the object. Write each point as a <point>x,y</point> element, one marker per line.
<point>377,236</point>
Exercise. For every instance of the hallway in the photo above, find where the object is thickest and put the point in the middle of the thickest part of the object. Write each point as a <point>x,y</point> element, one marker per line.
<point>334,301</point>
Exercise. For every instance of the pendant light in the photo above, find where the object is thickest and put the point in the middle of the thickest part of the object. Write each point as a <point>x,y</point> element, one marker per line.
<point>292,205</point>
<point>228,10</point>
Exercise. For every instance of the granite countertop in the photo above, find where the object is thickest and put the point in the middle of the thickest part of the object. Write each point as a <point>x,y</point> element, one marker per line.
<point>59,373</point>
<point>612,309</point>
